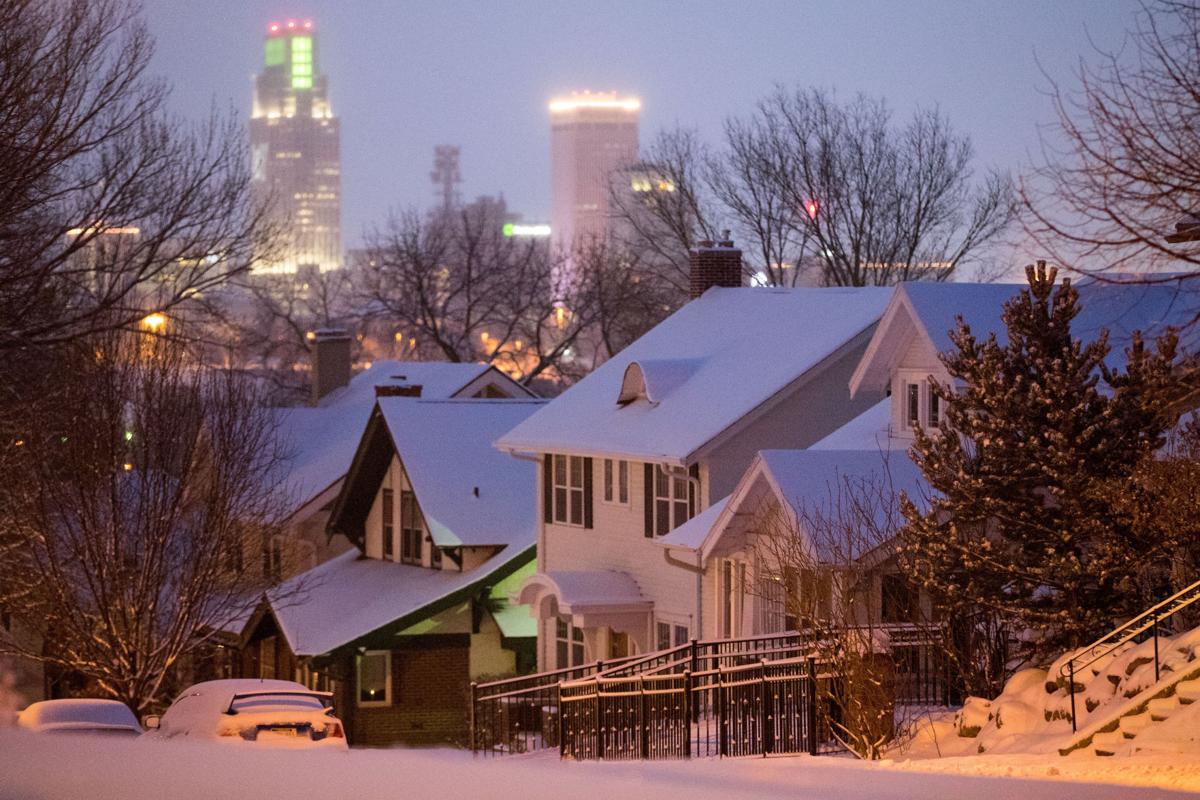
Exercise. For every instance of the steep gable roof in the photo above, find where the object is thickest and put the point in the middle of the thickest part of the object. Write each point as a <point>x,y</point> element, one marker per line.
<point>802,482</point>
<point>699,371</point>
<point>930,310</point>
<point>320,441</point>
<point>469,492</point>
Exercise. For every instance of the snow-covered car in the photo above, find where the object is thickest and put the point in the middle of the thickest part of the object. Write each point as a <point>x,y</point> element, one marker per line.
<point>267,712</point>
<point>80,715</point>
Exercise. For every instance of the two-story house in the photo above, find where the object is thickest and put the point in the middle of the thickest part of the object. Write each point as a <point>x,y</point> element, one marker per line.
<point>655,435</point>
<point>442,531</point>
<point>900,362</point>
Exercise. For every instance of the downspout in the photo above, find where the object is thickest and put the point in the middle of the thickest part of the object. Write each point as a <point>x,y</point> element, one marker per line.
<point>541,545</point>
<point>537,507</point>
<point>698,567</point>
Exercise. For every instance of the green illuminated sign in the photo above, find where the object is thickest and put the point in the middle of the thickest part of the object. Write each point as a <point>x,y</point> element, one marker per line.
<point>507,230</point>
<point>273,52</point>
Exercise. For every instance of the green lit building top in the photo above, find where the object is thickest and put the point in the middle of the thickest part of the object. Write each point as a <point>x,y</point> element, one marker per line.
<point>294,139</point>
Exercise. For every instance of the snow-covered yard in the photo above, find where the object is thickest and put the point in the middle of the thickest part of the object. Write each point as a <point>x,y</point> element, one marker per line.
<point>33,766</point>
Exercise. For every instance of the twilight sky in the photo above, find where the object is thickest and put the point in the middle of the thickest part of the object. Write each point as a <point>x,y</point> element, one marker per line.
<point>406,76</point>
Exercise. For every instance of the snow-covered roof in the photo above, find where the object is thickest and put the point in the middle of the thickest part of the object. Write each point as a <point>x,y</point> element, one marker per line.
<point>867,431</point>
<point>699,371</point>
<point>931,309</point>
<point>469,492</point>
<point>320,441</point>
<point>350,596</point>
<point>808,483</point>
<point>692,533</point>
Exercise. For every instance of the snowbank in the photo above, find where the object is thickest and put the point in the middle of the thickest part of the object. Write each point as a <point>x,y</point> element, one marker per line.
<point>1033,713</point>
<point>65,767</point>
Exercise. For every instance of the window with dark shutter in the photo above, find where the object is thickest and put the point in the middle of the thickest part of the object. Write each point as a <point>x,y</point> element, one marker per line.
<point>548,488</point>
<point>648,499</point>
<point>587,493</point>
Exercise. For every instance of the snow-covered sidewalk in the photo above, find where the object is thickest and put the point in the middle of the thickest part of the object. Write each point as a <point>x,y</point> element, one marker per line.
<point>63,768</point>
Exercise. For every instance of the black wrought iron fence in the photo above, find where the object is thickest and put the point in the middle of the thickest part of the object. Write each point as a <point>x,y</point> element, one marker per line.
<point>769,707</point>
<point>745,696</point>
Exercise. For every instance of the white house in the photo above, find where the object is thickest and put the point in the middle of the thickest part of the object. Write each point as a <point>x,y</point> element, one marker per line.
<point>651,438</point>
<point>871,450</point>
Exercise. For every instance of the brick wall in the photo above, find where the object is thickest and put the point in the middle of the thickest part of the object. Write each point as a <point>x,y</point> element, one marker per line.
<point>430,687</point>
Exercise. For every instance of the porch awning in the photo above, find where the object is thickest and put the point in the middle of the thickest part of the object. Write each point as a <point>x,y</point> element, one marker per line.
<point>583,592</point>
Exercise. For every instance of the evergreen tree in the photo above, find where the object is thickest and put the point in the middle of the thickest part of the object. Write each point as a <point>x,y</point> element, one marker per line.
<point>1024,523</point>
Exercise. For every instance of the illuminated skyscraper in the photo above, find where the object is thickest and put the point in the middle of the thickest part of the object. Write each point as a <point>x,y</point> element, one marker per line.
<point>294,147</point>
<point>591,136</point>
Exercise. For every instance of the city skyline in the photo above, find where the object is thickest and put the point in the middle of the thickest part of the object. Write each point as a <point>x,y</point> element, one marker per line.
<point>394,75</point>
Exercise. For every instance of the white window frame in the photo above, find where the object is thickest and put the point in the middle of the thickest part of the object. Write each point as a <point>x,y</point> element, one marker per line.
<point>906,382</point>
<point>567,496</point>
<point>673,499</point>
<point>387,683</point>
<point>573,640</point>
<point>615,480</point>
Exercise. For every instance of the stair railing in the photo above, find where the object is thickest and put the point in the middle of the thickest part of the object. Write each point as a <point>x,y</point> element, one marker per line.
<point>1148,620</point>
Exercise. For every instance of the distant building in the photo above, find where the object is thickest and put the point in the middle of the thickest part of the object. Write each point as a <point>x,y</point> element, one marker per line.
<point>294,149</point>
<point>592,135</point>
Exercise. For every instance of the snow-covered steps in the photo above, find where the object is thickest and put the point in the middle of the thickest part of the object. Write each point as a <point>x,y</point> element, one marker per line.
<point>1188,691</point>
<point>1162,707</point>
<point>1134,724</point>
<point>1109,744</point>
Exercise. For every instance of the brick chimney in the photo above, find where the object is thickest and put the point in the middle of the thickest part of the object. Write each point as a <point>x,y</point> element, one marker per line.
<point>715,264</point>
<point>331,362</point>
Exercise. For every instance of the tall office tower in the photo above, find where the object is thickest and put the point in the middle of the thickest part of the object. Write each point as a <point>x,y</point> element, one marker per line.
<point>294,147</point>
<point>591,136</point>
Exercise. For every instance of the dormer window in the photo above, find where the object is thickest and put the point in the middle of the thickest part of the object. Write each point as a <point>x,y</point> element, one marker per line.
<point>919,406</point>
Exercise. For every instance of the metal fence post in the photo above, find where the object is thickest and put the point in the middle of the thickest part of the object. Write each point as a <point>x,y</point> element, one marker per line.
<point>1071,678</point>
<point>644,712</point>
<point>766,707</point>
<point>599,724</point>
<point>474,693</point>
<point>687,714</point>
<point>694,668</point>
<point>1155,619</point>
<point>812,706</point>
<point>722,731</point>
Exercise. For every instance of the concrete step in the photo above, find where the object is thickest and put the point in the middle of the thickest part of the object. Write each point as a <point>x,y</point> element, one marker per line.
<point>1162,707</point>
<point>1133,725</point>
<point>1109,744</point>
<point>1188,691</point>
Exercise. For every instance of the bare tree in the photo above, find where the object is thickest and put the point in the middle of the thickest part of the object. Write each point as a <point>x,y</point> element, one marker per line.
<point>1118,187</point>
<point>828,568</point>
<point>820,191</point>
<point>465,292</point>
<point>109,207</point>
<point>264,325</point>
<point>137,490</point>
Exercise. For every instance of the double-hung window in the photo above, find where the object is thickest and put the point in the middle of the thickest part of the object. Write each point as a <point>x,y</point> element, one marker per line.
<point>388,504</point>
<point>410,529</point>
<point>669,500</point>
<point>616,482</point>
<point>568,490</point>
<point>568,641</point>
<point>919,404</point>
